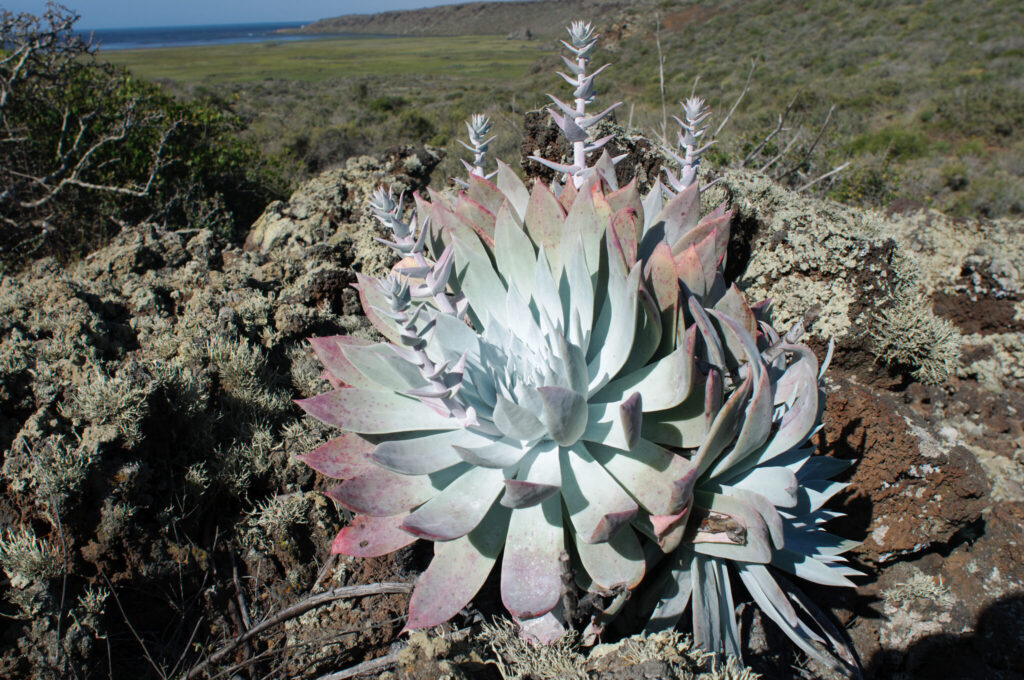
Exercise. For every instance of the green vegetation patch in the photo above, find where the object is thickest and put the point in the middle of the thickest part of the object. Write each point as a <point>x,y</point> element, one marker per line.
<point>469,57</point>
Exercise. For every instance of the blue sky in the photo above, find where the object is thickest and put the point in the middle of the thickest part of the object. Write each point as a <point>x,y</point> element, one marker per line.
<point>134,13</point>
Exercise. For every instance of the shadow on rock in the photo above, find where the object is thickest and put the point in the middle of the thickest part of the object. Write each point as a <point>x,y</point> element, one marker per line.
<point>994,651</point>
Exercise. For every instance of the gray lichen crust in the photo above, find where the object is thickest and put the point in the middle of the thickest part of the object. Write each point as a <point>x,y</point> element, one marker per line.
<point>802,251</point>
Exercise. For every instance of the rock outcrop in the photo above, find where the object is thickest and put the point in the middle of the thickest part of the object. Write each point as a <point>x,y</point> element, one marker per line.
<point>147,431</point>
<point>147,428</point>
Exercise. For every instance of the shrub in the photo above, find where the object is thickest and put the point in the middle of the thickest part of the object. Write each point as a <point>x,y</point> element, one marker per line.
<point>85,147</point>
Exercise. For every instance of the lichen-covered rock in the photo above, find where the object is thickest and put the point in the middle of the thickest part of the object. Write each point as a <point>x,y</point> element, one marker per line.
<point>147,432</point>
<point>857,281</point>
<point>333,202</point>
<point>498,651</point>
<point>972,271</point>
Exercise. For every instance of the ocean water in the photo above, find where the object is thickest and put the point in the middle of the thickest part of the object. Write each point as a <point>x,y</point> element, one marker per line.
<point>177,36</point>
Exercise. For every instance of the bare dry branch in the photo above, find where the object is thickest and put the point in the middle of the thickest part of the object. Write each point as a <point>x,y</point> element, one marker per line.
<point>779,156</point>
<point>824,177</point>
<point>661,83</point>
<point>365,668</point>
<point>746,86</point>
<point>298,609</point>
<point>770,135</point>
<point>810,149</point>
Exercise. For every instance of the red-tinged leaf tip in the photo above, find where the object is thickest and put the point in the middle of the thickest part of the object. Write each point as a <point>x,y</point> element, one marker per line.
<point>343,457</point>
<point>452,579</point>
<point>381,493</point>
<point>670,529</point>
<point>631,416</point>
<point>661,273</point>
<point>521,494</point>
<point>608,525</point>
<point>371,537</point>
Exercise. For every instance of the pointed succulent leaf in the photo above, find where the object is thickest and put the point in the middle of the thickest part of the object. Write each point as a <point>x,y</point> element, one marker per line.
<point>479,218</point>
<point>382,493</point>
<point>565,413</point>
<point>680,214</point>
<point>663,384</point>
<point>615,328</point>
<point>597,505</point>
<point>810,569</point>
<point>422,455</point>
<point>499,454</point>
<point>682,426</point>
<point>459,508</point>
<point>587,218</point>
<point>778,484</point>
<point>587,121</point>
<point>714,618</point>
<point>557,167</point>
<point>343,457</point>
<point>513,189</point>
<point>724,427</point>
<point>801,416</point>
<point>624,229</point>
<point>615,563</point>
<point>660,481</point>
<point>371,537</point>
<point>457,572</point>
<point>384,367</point>
<point>531,568</point>
<point>538,478</point>
<point>516,422</point>
<point>674,590</point>
<point>691,272</point>
<point>631,416</point>
<point>823,467</point>
<point>372,412</point>
<point>329,351</point>
<point>513,252</point>
<point>479,282</point>
<point>544,219</point>
<point>372,299</point>
<point>485,194</point>
<point>568,126</point>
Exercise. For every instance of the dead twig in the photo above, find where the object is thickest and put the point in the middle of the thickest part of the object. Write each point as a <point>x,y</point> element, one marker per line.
<point>777,157</point>
<point>746,86</point>
<point>770,135</point>
<point>810,149</point>
<point>365,668</point>
<point>145,650</point>
<point>298,609</point>
<point>661,82</point>
<point>243,608</point>
<point>825,176</point>
<point>294,647</point>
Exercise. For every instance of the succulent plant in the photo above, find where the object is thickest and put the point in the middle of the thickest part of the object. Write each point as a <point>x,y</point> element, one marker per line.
<point>573,121</point>
<point>478,127</point>
<point>568,385</point>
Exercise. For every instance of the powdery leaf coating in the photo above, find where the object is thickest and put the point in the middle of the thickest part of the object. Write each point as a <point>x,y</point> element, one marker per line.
<point>571,384</point>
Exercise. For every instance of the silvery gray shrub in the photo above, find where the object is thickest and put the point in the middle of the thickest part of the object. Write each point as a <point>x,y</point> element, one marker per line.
<point>566,382</point>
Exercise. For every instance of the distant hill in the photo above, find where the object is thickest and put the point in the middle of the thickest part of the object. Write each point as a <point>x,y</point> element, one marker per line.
<point>542,18</point>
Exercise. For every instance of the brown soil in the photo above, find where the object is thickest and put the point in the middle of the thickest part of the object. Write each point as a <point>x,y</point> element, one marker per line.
<point>984,315</point>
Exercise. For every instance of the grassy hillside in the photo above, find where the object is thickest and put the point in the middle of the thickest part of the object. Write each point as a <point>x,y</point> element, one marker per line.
<point>468,58</point>
<point>543,18</point>
<point>928,96</point>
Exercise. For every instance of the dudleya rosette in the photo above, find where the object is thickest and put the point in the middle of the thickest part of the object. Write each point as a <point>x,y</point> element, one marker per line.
<point>568,385</point>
